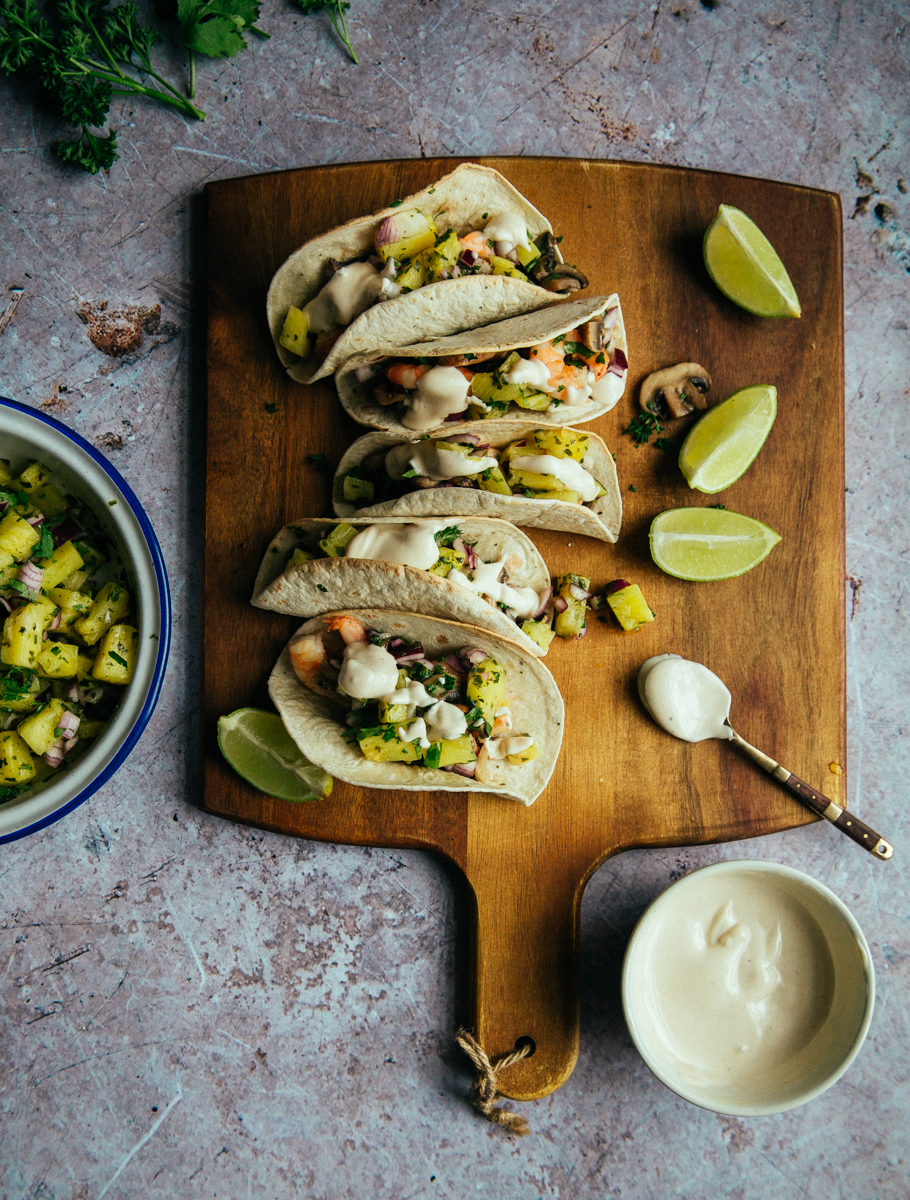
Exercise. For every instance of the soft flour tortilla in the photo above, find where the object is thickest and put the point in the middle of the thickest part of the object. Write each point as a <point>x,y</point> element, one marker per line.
<point>517,333</point>
<point>317,724</point>
<point>328,584</point>
<point>602,519</point>
<point>433,311</point>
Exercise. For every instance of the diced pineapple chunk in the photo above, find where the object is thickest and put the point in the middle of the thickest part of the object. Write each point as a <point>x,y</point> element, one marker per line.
<point>108,607</point>
<point>116,657</point>
<point>73,605</point>
<point>19,691</point>
<point>23,633</point>
<point>630,607</point>
<point>505,266</point>
<point>567,495</point>
<point>571,623</point>
<point>527,755</point>
<point>412,275</point>
<point>40,730</point>
<point>334,544</point>
<point>561,443</point>
<point>84,666</point>
<point>539,632</point>
<point>58,660</point>
<point>493,480</point>
<point>6,477</point>
<point>388,747</point>
<point>358,491</point>
<point>450,751</point>
<point>415,233</point>
<point>16,764</point>
<point>295,333</point>
<point>448,559</point>
<point>298,557</point>
<point>531,479</point>
<point>487,687</point>
<point>63,562</point>
<point>444,255</point>
<point>17,537</point>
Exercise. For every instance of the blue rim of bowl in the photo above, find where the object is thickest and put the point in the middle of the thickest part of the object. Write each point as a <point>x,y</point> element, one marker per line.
<point>164,636</point>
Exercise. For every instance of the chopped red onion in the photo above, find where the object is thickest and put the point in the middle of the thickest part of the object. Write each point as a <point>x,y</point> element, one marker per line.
<point>460,416</point>
<point>405,660</point>
<point>388,233</point>
<point>6,604</point>
<point>53,756</point>
<point>456,271</point>
<point>92,695</point>
<point>31,575</point>
<point>619,364</point>
<point>68,725</point>
<point>454,663</point>
<point>545,597</point>
<point>560,603</point>
<point>616,586</point>
<point>67,531</point>
<point>609,319</point>
<point>578,593</point>
<point>511,254</point>
<point>468,258</point>
<point>36,519</point>
<point>55,623</point>
<point>583,633</point>
<point>467,549</point>
<point>472,655</point>
<point>74,693</point>
<point>466,769</point>
<point>70,745</point>
<point>468,439</point>
<point>402,651</point>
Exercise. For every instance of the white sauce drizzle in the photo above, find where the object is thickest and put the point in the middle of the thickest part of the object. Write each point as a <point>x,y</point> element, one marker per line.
<point>531,371</point>
<point>350,292</point>
<point>685,698</point>
<point>440,392</point>
<point>413,545</point>
<point>608,389</point>
<point>509,229</point>
<point>566,470</point>
<point>368,672</point>
<point>484,581</point>
<point>502,747</point>
<point>427,460</point>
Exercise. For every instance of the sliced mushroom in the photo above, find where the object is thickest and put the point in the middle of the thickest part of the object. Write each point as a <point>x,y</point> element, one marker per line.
<point>546,243</point>
<point>564,278</point>
<point>592,334</point>
<point>675,391</point>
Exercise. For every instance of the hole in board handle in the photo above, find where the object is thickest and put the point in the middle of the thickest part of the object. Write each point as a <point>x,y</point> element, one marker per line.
<point>521,1042</point>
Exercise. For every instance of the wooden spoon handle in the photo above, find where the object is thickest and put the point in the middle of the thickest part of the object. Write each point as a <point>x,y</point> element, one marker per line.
<point>845,821</point>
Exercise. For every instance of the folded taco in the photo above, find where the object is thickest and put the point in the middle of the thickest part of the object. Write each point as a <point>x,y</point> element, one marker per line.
<point>553,478</point>
<point>563,363</point>
<point>468,250</point>
<point>415,703</point>
<point>476,570</point>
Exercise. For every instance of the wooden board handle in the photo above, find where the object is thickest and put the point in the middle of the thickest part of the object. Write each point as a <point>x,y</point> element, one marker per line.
<point>525,980</point>
<point>845,821</point>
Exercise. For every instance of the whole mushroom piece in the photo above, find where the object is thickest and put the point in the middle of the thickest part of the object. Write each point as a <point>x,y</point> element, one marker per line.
<point>675,391</point>
<point>553,275</point>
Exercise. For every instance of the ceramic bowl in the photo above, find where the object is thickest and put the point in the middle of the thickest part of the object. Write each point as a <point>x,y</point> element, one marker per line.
<point>77,466</point>
<point>748,988</point>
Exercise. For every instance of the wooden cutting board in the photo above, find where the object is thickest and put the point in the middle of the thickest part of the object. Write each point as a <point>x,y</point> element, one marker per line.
<point>776,636</point>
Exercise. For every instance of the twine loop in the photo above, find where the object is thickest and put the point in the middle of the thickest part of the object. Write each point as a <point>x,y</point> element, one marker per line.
<point>485,1092</point>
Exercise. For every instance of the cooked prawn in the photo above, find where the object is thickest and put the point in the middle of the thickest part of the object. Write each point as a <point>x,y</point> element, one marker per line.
<point>477,243</point>
<point>349,627</point>
<point>307,655</point>
<point>404,374</point>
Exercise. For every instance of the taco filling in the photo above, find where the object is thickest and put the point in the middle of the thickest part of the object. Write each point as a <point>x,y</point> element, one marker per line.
<point>411,250</point>
<point>547,464</point>
<point>563,373</point>
<point>402,706</point>
<point>437,547</point>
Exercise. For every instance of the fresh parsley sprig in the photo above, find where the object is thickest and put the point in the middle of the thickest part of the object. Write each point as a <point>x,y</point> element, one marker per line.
<point>336,10</point>
<point>93,54</point>
<point>216,28</point>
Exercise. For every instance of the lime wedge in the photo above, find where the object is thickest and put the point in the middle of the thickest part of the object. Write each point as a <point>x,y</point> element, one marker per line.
<point>259,748</point>
<point>724,443</point>
<point>746,268</point>
<point>705,544</point>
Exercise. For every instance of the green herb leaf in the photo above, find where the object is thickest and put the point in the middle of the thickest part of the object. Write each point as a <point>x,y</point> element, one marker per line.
<point>117,658</point>
<point>45,547</point>
<point>448,535</point>
<point>664,444</point>
<point>412,474</point>
<point>320,462</point>
<point>641,427</point>
<point>432,756</point>
<point>336,10</point>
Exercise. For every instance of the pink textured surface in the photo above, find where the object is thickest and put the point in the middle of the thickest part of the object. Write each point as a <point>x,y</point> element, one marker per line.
<point>194,1009</point>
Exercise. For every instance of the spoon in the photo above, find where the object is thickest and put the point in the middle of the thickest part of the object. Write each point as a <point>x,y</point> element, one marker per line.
<point>692,703</point>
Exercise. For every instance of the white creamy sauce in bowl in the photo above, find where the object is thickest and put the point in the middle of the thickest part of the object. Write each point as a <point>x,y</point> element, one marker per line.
<point>748,987</point>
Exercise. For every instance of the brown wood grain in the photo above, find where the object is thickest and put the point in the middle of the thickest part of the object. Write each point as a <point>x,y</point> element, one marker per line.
<point>776,635</point>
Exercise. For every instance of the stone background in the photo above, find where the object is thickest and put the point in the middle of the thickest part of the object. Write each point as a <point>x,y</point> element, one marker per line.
<point>193,1009</point>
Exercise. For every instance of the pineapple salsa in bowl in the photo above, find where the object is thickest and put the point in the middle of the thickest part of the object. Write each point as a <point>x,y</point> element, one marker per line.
<point>84,620</point>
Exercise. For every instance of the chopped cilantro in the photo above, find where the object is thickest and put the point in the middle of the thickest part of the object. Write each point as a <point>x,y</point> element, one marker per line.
<point>632,487</point>
<point>641,427</point>
<point>410,474</point>
<point>320,588</point>
<point>717,506</point>
<point>18,586</point>
<point>433,755</point>
<point>447,535</point>
<point>484,217</point>
<point>664,444</point>
<point>319,462</point>
<point>388,734</point>
<point>557,340</point>
<point>395,203</point>
<point>577,348</point>
<point>117,658</point>
<point>45,547</point>
<point>14,497</point>
<point>271,408</point>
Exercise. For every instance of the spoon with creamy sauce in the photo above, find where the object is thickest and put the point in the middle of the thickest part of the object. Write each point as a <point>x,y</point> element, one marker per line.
<point>692,703</point>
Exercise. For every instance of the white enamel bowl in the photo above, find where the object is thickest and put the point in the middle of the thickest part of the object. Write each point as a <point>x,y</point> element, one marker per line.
<point>845,1009</point>
<point>26,434</point>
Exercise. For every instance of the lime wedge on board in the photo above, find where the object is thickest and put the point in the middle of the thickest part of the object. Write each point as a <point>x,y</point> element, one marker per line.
<point>723,444</point>
<point>259,748</point>
<point>746,268</point>
<point>705,544</point>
